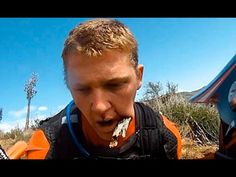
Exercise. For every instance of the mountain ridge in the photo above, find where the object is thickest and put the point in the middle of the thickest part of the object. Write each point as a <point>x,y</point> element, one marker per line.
<point>188,95</point>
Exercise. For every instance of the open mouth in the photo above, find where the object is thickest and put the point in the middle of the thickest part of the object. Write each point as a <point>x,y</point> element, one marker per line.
<point>107,126</point>
<point>106,123</point>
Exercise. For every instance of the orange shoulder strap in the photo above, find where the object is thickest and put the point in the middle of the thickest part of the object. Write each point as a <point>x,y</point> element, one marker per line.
<point>173,128</point>
<point>17,150</point>
<point>38,146</point>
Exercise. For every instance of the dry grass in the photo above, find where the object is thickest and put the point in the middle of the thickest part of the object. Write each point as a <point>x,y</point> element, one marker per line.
<point>192,150</point>
<point>7,143</point>
<point>9,139</point>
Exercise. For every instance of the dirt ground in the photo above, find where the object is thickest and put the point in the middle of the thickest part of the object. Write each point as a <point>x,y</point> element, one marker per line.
<point>190,150</point>
<point>7,143</point>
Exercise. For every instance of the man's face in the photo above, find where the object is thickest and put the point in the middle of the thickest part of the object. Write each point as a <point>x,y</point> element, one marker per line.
<point>103,88</point>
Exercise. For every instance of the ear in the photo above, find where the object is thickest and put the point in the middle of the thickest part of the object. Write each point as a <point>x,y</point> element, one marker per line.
<point>140,69</point>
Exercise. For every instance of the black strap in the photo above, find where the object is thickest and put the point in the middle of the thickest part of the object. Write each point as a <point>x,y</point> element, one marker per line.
<point>149,123</point>
<point>151,128</point>
<point>3,155</point>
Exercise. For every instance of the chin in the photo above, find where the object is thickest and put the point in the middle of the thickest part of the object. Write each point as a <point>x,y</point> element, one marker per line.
<point>105,137</point>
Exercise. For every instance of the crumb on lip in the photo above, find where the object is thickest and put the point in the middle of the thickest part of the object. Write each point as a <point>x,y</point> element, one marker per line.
<point>120,130</point>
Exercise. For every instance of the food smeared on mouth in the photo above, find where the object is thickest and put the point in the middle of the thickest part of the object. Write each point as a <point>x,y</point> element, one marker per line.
<point>120,130</point>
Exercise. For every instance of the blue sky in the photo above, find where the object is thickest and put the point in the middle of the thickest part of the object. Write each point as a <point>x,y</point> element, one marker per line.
<point>189,52</point>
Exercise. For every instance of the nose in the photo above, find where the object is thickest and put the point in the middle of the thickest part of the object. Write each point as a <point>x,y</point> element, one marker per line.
<point>99,102</point>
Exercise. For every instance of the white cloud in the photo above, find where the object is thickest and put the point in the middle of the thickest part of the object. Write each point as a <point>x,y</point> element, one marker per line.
<point>21,112</point>
<point>20,122</point>
<point>42,108</point>
<point>17,118</point>
<point>6,127</point>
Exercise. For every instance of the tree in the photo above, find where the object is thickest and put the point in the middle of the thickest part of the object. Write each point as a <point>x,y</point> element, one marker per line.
<point>0,114</point>
<point>171,88</point>
<point>152,90</point>
<point>30,92</point>
<point>155,95</point>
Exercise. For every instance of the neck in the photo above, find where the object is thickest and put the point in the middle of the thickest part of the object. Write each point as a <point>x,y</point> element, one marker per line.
<point>93,139</point>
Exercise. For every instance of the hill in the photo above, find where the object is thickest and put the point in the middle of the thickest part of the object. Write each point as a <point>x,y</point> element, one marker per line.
<point>188,95</point>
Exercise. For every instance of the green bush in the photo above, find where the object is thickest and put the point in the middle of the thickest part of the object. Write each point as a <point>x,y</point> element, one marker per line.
<point>1,134</point>
<point>18,134</point>
<point>15,133</point>
<point>199,122</point>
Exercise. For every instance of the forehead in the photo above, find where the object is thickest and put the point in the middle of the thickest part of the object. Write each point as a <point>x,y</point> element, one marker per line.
<point>111,64</point>
<point>108,56</point>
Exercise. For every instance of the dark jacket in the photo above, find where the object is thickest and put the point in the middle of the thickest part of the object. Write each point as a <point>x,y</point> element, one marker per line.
<point>153,138</point>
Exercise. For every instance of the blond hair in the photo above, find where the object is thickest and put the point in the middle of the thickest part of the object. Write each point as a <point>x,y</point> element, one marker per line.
<point>93,37</point>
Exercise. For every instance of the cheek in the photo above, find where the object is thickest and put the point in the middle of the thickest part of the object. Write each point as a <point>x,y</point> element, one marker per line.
<point>81,103</point>
<point>124,102</point>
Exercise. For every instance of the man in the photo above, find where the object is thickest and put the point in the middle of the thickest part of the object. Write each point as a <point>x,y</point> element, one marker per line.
<point>103,121</point>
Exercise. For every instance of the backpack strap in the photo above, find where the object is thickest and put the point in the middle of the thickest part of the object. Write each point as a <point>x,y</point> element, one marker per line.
<point>151,130</point>
<point>3,154</point>
<point>58,134</point>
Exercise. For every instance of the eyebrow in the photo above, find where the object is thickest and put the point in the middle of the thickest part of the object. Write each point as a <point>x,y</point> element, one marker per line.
<point>118,80</point>
<point>124,79</point>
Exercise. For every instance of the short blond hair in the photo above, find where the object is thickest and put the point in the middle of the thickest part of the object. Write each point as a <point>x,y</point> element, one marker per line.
<point>95,36</point>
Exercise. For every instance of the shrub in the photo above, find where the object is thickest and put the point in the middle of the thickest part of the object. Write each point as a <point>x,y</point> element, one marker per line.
<point>196,121</point>
<point>18,134</point>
